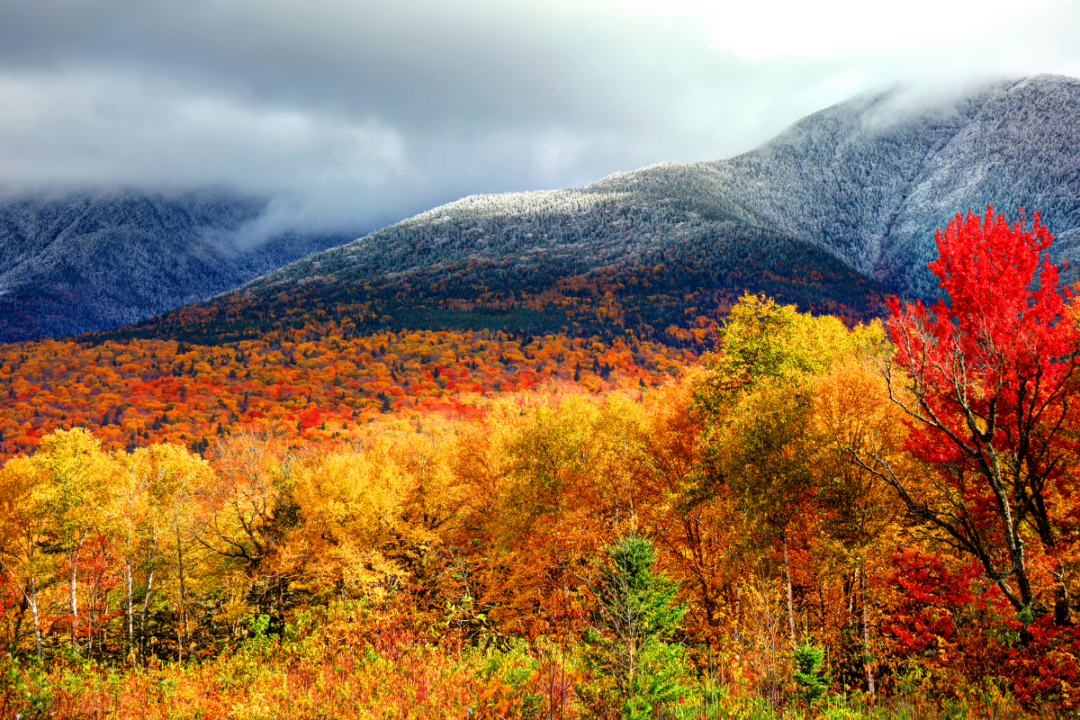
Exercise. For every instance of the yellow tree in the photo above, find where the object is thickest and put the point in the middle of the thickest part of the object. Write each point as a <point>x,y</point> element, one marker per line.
<point>854,416</point>
<point>553,483</point>
<point>244,517</point>
<point>128,509</point>
<point>351,535</point>
<point>437,494</point>
<point>150,505</point>
<point>755,404</point>
<point>75,472</point>
<point>24,530</point>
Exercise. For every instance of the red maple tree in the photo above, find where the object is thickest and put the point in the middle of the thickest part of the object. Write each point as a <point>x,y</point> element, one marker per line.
<point>986,385</point>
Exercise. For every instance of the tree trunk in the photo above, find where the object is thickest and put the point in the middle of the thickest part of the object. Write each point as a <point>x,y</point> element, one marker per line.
<point>871,686</point>
<point>32,597</point>
<point>1014,542</point>
<point>1062,612</point>
<point>29,593</point>
<point>181,637</point>
<point>790,601</point>
<point>146,605</point>
<point>128,581</point>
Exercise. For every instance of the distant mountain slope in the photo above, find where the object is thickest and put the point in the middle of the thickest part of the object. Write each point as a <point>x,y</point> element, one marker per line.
<point>831,214</point>
<point>868,180</point>
<point>871,179</point>
<point>583,262</point>
<point>94,261</point>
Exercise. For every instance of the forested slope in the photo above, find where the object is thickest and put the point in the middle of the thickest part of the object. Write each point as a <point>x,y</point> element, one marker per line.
<point>831,215</point>
<point>96,260</point>
<point>834,212</point>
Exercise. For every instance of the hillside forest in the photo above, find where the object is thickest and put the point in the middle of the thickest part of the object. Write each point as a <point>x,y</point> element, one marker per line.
<point>761,512</point>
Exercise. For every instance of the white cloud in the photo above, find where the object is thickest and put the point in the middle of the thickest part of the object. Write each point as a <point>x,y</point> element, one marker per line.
<point>105,127</point>
<point>93,128</point>
<point>830,28</point>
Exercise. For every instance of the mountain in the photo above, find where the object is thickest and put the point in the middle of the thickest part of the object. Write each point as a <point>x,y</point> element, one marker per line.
<point>624,281</point>
<point>833,214</point>
<point>92,261</point>
<point>868,180</point>
<point>871,179</point>
<point>578,262</point>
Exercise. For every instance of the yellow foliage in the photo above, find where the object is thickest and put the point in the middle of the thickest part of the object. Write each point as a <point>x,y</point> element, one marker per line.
<point>352,505</point>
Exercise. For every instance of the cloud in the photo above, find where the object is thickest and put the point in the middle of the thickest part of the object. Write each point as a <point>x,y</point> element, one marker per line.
<point>356,114</point>
<point>779,28</point>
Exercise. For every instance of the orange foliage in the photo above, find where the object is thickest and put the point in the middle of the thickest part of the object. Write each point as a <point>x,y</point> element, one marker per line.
<point>316,384</point>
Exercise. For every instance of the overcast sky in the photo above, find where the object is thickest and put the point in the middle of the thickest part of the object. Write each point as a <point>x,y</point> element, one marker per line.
<point>364,112</point>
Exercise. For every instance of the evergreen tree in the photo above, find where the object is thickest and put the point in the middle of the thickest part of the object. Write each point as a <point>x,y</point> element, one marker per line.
<point>630,643</point>
<point>811,677</point>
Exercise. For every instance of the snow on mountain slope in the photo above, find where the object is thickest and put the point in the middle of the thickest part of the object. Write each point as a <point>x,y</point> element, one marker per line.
<point>92,261</point>
<point>868,180</point>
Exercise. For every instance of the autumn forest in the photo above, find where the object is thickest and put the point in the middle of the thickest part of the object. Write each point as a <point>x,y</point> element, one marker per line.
<point>626,495</point>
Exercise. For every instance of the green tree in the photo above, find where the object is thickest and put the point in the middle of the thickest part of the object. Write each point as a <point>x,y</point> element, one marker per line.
<point>811,677</point>
<point>630,643</point>
<point>764,343</point>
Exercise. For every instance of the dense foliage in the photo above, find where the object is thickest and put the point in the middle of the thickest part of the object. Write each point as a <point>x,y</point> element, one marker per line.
<point>817,519</point>
<point>320,382</point>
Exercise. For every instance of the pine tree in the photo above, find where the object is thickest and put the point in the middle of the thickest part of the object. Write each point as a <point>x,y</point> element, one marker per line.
<point>634,623</point>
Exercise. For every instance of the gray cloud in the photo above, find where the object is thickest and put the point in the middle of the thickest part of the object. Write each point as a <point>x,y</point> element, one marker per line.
<point>356,114</point>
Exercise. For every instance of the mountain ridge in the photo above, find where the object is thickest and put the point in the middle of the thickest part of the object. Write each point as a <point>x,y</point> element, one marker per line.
<point>833,214</point>
<point>84,261</point>
<point>875,204</point>
<point>1011,144</point>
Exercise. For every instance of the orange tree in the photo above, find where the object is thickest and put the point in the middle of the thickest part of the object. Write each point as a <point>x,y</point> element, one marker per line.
<point>986,388</point>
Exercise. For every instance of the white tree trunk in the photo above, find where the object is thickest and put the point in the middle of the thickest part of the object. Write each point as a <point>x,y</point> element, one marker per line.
<point>790,600</point>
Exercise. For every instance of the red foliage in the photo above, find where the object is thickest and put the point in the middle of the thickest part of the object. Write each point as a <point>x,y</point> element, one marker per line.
<point>954,620</point>
<point>931,597</point>
<point>1046,667</point>
<point>317,382</point>
<point>989,381</point>
<point>999,348</point>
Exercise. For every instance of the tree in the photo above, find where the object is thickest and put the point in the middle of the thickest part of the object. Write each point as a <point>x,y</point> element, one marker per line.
<point>854,415</point>
<point>24,530</point>
<point>351,527</point>
<point>75,473</point>
<point>151,508</point>
<point>695,534</point>
<point>246,514</point>
<point>985,384</point>
<point>767,343</point>
<point>811,677</point>
<point>636,618</point>
<point>756,406</point>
